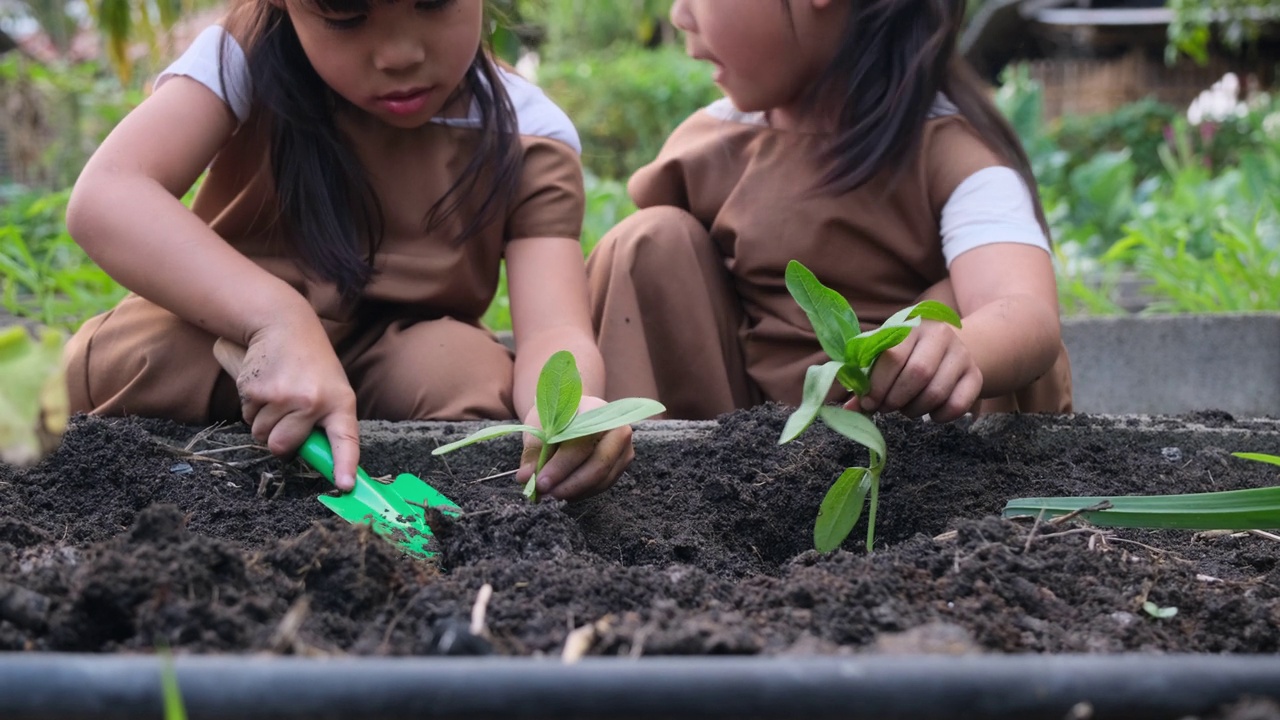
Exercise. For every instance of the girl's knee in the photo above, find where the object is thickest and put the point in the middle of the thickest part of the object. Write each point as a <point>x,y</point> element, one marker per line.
<point>651,239</point>
<point>435,370</point>
<point>141,360</point>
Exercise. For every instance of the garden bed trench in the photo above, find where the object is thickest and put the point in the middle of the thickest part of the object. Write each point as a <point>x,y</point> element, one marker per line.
<point>138,534</point>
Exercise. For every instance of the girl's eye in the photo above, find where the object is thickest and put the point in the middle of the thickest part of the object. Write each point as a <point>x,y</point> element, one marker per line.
<point>346,23</point>
<point>430,5</point>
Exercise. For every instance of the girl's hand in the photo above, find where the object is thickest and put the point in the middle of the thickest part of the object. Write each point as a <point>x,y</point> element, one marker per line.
<point>579,468</point>
<point>931,372</point>
<point>291,383</point>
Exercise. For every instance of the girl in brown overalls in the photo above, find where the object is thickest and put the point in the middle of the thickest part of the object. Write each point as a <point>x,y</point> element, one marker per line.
<point>852,140</point>
<point>369,166</point>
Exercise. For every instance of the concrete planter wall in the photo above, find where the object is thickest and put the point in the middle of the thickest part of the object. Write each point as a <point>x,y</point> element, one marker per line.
<point>1176,364</point>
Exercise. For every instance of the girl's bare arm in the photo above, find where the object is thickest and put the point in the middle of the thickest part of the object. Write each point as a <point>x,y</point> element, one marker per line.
<point>126,214</point>
<point>549,312</point>
<point>1007,295</point>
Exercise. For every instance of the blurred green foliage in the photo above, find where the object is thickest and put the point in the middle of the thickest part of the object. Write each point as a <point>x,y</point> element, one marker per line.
<point>626,102</point>
<point>1151,212</point>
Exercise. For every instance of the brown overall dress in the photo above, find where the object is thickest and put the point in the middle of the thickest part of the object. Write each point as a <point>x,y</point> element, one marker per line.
<point>688,295</point>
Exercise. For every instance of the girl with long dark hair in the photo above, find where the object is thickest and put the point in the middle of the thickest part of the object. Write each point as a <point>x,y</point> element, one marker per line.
<point>369,166</point>
<point>854,139</point>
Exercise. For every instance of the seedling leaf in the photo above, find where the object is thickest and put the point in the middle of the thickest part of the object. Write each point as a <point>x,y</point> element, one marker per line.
<point>854,379</point>
<point>1158,612</point>
<point>817,383</point>
<point>841,509</point>
<point>489,433</point>
<point>863,350</point>
<point>858,428</point>
<point>559,392</point>
<point>829,312</point>
<point>615,414</point>
<point>934,310</point>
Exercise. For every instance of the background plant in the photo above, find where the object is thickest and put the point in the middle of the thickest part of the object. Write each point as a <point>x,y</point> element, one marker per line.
<point>853,353</point>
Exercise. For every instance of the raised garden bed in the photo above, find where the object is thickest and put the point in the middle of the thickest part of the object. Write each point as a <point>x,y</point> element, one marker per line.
<point>126,542</point>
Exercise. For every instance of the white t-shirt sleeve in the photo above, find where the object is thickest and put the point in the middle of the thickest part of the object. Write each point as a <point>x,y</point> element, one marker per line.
<point>204,63</point>
<point>992,205</point>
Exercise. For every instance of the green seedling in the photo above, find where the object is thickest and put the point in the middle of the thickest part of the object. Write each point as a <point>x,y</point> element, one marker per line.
<point>853,353</point>
<point>1157,612</point>
<point>1253,509</point>
<point>558,394</point>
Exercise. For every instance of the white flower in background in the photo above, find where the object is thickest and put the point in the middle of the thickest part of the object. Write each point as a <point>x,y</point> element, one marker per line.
<point>1220,102</point>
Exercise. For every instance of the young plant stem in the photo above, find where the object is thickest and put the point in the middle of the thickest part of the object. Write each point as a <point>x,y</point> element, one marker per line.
<point>874,502</point>
<point>531,489</point>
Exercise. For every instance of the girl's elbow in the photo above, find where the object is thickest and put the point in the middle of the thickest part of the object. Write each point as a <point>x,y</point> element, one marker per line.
<point>79,210</point>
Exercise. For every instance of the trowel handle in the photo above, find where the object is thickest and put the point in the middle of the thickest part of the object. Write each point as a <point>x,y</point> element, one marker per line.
<point>318,453</point>
<point>315,450</point>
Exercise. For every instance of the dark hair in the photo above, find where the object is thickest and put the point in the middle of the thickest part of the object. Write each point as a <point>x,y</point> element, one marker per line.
<point>327,203</point>
<point>896,56</point>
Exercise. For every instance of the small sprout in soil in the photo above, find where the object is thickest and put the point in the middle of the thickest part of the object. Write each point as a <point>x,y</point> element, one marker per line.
<point>853,353</point>
<point>1253,509</point>
<point>1160,613</point>
<point>557,397</point>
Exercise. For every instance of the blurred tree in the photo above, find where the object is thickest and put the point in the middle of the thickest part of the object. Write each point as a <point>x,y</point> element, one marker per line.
<point>1237,23</point>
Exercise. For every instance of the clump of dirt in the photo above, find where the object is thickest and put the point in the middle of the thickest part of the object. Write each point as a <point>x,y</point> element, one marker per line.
<point>140,532</point>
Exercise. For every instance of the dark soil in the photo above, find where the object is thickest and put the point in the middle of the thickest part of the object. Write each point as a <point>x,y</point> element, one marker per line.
<point>123,540</point>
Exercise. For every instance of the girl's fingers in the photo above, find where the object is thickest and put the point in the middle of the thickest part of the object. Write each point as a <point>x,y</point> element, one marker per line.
<point>566,458</point>
<point>344,437</point>
<point>962,399</point>
<point>264,422</point>
<point>914,374</point>
<point>598,473</point>
<point>528,458</point>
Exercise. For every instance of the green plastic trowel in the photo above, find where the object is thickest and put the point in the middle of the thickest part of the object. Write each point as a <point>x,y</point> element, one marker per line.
<point>395,510</point>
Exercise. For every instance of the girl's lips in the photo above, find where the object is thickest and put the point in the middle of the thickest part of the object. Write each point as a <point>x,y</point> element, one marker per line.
<point>404,103</point>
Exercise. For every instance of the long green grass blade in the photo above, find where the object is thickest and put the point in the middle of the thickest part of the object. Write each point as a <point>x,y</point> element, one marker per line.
<point>174,708</point>
<point>1254,509</point>
<point>1259,457</point>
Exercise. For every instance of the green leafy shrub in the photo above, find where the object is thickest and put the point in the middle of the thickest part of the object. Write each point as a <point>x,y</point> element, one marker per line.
<point>625,102</point>
<point>44,275</point>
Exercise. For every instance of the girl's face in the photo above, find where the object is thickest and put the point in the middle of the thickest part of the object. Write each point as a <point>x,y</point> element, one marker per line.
<point>398,60</point>
<point>766,53</point>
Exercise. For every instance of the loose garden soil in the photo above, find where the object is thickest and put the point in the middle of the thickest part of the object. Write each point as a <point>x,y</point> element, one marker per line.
<point>134,534</point>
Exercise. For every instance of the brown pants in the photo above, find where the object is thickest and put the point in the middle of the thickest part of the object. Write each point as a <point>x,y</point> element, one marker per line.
<point>668,323</point>
<point>139,359</point>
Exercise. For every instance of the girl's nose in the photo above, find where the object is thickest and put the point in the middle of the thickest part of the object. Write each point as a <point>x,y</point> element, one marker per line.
<point>399,54</point>
<point>682,16</point>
